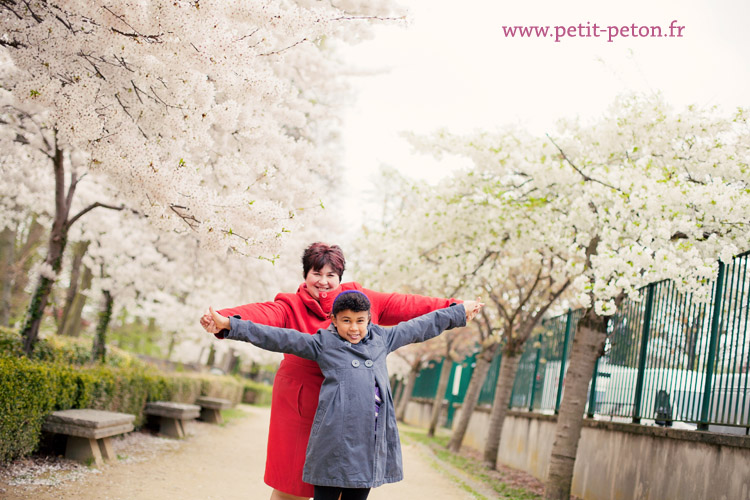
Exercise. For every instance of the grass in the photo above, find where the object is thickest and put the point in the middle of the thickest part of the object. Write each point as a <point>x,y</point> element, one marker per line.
<point>232,414</point>
<point>474,469</point>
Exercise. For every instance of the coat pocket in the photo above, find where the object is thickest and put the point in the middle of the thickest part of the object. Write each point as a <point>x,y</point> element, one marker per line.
<point>295,398</point>
<point>307,400</point>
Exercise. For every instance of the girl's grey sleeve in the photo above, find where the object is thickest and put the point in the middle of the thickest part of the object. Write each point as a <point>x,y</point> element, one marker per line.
<point>426,326</point>
<point>275,339</point>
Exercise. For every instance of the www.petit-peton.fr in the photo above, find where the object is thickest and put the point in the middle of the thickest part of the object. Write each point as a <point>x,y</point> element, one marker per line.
<point>594,30</point>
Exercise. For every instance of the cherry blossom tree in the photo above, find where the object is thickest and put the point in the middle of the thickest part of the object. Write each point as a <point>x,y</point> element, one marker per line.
<point>471,234</point>
<point>660,194</point>
<point>645,194</point>
<point>204,117</point>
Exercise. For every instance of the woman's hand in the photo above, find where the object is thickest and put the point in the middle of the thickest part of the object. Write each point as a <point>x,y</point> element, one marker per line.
<point>472,308</point>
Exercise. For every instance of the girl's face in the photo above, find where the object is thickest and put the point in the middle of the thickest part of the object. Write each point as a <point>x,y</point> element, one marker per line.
<point>352,326</point>
<point>321,281</point>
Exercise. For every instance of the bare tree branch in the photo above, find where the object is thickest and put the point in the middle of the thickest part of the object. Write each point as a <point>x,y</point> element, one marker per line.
<point>586,177</point>
<point>90,208</point>
<point>36,17</point>
<point>279,51</point>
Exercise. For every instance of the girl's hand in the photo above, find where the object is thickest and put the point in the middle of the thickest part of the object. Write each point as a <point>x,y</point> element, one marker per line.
<point>219,321</point>
<point>208,324</point>
<point>472,308</point>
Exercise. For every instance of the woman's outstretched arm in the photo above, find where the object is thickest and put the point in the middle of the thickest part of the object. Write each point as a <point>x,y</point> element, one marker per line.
<point>394,308</point>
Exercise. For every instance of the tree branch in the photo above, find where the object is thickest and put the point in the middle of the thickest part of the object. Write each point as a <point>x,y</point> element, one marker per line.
<point>367,18</point>
<point>279,51</point>
<point>68,24</point>
<point>71,192</point>
<point>12,43</point>
<point>33,14</point>
<point>479,265</point>
<point>7,5</point>
<point>135,34</point>
<point>90,208</point>
<point>585,176</point>
<point>190,220</point>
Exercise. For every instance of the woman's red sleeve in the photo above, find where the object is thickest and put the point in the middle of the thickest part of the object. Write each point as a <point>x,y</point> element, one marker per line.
<point>393,308</point>
<point>265,313</point>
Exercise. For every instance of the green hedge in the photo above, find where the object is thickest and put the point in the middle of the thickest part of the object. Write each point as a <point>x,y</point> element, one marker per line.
<point>256,393</point>
<point>31,389</point>
<point>28,392</point>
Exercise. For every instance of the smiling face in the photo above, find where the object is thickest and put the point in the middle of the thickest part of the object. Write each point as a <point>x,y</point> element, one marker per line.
<point>321,280</point>
<point>352,326</point>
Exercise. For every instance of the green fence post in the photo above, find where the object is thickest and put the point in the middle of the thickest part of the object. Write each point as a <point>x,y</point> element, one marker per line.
<point>449,395</point>
<point>715,319</point>
<point>592,392</point>
<point>568,326</point>
<point>536,372</point>
<point>512,387</point>
<point>642,356</point>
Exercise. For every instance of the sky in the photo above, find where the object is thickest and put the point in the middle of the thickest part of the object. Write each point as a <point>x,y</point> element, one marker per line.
<point>450,66</point>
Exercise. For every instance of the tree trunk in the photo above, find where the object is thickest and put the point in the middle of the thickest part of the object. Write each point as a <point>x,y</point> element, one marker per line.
<point>233,363</point>
<point>72,323</point>
<point>33,236</point>
<point>57,241</point>
<point>445,373</point>
<point>35,312</point>
<point>503,389</point>
<point>587,346</point>
<point>399,392</point>
<point>478,377</point>
<point>408,389</point>
<point>79,250</point>
<point>172,343</point>
<point>99,350</point>
<point>7,258</point>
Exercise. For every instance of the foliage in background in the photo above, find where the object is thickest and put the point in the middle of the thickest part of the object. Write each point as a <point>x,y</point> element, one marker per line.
<point>60,377</point>
<point>137,338</point>
<point>256,393</point>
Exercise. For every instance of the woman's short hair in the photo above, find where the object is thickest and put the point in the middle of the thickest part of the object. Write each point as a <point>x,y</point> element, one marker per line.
<point>317,255</point>
<point>350,300</point>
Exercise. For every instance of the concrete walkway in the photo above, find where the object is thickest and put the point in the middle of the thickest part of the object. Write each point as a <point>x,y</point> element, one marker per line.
<point>225,463</point>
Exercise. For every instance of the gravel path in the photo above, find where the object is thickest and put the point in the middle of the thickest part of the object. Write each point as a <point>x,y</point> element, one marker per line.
<point>214,462</point>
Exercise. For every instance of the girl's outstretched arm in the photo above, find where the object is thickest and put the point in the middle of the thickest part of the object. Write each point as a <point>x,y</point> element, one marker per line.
<point>432,324</point>
<point>270,338</point>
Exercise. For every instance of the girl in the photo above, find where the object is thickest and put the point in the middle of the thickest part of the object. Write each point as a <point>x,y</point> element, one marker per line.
<point>354,443</point>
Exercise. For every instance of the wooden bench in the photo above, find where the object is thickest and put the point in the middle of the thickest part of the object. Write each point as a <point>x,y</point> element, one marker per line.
<point>172,416</point>
<point>89,432</point>
<point>211,408</point>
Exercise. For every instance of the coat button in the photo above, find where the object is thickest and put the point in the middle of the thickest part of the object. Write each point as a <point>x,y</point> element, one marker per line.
<point>355,363</point>
<point>348,344</point>
<point>368,363</point>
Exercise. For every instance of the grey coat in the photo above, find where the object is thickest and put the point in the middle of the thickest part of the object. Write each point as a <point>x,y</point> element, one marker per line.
<point>345,448</point>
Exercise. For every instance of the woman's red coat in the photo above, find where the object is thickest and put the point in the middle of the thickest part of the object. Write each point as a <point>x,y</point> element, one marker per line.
<point>297,383</point>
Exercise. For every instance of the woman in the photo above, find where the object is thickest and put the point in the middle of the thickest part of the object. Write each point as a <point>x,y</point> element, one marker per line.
<point>297,383</point>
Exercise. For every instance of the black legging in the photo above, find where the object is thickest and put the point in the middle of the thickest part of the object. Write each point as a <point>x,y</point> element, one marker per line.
<point>332,493</point>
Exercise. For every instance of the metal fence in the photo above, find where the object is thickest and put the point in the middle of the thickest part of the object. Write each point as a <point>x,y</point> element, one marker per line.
<point>668,358</point>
